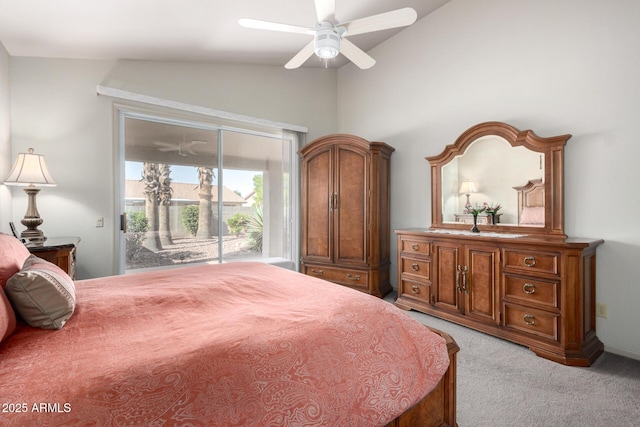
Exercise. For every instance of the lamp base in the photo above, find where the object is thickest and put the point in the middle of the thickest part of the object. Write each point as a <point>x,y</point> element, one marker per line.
<point>33,236</point>
<point>467,205</point>
<point>32,218</point>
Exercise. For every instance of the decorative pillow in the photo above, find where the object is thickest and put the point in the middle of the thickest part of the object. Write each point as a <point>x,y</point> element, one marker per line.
<point>42,294</point>
<point>7,317</point>
<point>533,215</point>
<point>13,253</point>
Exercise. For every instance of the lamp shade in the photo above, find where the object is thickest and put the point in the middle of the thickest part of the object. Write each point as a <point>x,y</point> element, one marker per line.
<point>30,169</point>
<point>468,187</point>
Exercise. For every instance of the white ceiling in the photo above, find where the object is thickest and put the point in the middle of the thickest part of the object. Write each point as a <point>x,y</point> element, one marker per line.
<point>172,30</point>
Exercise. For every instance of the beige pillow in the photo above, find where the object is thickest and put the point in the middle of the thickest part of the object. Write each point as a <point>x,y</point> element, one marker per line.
<point>42,294</point>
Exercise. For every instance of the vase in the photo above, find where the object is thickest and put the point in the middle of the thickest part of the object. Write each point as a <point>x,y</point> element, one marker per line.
<point>475,228</point>
<point>493,219</point>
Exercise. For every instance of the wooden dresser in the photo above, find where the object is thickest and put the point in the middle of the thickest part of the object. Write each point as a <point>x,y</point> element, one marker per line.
<point>60,251</point>
<point>346,234</point>
<point>530,291</point>
<point>526,281</point>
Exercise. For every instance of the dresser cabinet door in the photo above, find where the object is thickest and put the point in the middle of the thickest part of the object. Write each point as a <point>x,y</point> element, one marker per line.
<point>481,290</point>
<point>467,280</point>
<point>447,279</point>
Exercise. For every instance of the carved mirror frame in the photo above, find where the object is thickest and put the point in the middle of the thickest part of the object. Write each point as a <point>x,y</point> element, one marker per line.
<point>551,147</point>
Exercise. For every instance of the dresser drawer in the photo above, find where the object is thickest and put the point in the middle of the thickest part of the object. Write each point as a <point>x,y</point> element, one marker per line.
<point>343,276</point>
<point>528,290</point>
<point>532,261</point>
<point>416,247</point>
<point>414,290</point>
<point>416,268</point>
<point>534,322</point>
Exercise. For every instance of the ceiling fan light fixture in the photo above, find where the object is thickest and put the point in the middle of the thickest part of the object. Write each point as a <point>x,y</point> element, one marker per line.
<point>327,41</point>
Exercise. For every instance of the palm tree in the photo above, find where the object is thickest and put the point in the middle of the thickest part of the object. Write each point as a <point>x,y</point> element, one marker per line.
<point>164,194</point>
<point>150,178</point>
<point>205,176</point>
<point>255,228</point>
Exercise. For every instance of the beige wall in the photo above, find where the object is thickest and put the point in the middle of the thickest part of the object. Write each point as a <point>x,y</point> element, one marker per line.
<point>5,141</point>
<point>56,110</point>
<point>554,67</point>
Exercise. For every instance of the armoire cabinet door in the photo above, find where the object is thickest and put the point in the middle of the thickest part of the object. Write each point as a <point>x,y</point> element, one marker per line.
<point>351,207</point>
<point>317,196</point>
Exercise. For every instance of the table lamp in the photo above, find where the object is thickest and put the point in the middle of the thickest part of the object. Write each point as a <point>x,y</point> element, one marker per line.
<point>30,170</point>
<point>467,188</point>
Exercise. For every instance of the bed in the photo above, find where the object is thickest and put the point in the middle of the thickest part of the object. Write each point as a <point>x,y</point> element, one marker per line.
<point>531,203</point>
<point>232,344</point>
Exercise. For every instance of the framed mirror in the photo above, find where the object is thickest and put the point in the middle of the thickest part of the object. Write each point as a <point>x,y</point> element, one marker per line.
<point>494,164</point>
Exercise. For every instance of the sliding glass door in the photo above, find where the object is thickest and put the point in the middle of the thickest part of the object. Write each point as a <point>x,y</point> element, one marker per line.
<point>195,192</point>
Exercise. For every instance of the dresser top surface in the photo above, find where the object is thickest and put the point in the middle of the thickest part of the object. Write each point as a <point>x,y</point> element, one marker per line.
<point>504,237</point>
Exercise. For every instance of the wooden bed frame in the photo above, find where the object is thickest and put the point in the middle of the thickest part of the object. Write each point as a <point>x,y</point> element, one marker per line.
<point>438,408</point>
<point>530,195</point>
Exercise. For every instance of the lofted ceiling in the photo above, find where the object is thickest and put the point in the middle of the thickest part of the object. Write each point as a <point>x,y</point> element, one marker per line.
<point>186,30</point>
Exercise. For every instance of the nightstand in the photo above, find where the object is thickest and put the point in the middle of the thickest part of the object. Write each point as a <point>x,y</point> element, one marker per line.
<point>60,251</point>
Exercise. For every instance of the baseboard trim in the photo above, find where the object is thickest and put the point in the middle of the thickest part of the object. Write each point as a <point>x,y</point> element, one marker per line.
<point>620,352</point>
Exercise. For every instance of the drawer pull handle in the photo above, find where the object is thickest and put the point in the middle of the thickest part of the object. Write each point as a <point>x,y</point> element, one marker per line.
<point>464,279</point>
<point>415,267</point>
<point>462,270</point>
<point>529,319</point>
<point>354,278</point>
<point>415,289</point>
<point>529,288</point>
<point>317,272</point>
<point>415,246</point>
<point>530,261</point>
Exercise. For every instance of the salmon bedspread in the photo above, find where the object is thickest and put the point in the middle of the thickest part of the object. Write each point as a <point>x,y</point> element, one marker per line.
<point>238,344</point>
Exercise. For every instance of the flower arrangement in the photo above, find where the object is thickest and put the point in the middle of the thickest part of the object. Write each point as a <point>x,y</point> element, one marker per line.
<point>476,209</point>
<point>491,209</point>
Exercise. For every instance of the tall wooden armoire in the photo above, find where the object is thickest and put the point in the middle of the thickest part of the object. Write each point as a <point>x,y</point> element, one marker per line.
<point>345,212</point>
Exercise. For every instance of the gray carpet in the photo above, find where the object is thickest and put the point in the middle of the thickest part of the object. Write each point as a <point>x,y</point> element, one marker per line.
<point>504,384</point>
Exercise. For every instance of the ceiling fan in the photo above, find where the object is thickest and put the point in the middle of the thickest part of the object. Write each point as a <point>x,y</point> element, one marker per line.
<point>329,36</point>
<point>183,148</point>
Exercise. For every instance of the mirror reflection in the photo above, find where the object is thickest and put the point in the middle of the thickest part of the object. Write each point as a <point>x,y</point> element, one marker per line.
<point>491,171</point>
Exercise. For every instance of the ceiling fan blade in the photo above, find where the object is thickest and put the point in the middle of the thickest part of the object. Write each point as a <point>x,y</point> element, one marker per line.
<point>165,146</point>
<point>326,10</point>
<point>356,55</point>
<point>383,21</point>
<point>300,57</point>
<point>274,26</point>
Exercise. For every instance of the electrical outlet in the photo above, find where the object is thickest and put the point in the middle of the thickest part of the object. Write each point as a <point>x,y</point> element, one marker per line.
<point>100,221</point>
<point>602,310</point>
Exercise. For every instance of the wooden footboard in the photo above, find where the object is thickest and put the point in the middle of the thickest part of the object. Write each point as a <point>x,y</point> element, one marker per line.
<point>438,408</point>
